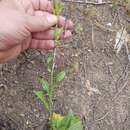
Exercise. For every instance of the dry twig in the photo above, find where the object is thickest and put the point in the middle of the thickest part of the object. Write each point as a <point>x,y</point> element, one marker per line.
<point>87,2</point>
<point>93,41</point>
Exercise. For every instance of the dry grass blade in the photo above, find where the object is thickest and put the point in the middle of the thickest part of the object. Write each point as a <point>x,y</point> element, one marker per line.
<point>88,2</point>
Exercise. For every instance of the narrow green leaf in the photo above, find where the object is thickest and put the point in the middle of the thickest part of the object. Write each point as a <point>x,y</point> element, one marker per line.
<point>56,124</point>
<point>66,121</point>
<point>60,76</point>
<point>40,95</point>
<point>76,126</point>
<point>57,7</point>
<point>72,122</point>
<point>76,123</point>
<point>57,34</point>
<point>44,84</point>
<point>62,128</point>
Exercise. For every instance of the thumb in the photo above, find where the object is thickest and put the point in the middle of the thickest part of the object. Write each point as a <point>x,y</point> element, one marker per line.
<point>41,23</point>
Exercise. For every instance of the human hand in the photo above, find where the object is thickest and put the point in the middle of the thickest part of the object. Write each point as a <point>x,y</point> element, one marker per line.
<point>27,24</point>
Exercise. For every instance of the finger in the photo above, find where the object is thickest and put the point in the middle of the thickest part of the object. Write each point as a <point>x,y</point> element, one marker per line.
<point>43,5</point>
<point>40,23</point>
<point>62,22</point>
<point>49,35</point>
<point>68,24</point>
<point>40,13</point>
<point>42,44</point>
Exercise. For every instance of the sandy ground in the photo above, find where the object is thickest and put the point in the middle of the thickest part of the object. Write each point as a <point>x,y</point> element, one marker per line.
<point>99,88</point>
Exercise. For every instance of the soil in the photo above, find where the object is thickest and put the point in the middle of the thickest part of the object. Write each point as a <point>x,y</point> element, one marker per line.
<point>98,90</point>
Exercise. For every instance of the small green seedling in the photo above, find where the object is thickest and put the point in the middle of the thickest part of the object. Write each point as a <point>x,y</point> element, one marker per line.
<point>57,7</point>
<point>46,95</point>
<point>68,122</point>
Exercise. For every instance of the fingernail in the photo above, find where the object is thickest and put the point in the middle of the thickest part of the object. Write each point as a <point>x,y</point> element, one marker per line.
<point>52,18</point>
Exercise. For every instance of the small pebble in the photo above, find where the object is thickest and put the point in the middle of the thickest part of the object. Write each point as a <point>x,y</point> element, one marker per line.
<point>109,63</point>
<point>89,50</point>
<point>28,122</point>
<point>22,114</point>
<point>16,82</point>
<point>109,24</point>
<point>33,62</point>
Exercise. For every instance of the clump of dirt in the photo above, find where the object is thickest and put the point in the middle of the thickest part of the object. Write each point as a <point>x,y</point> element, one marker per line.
<point>7,124</point>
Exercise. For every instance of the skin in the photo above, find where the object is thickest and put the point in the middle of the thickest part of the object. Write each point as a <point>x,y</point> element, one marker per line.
<point>27,24</point>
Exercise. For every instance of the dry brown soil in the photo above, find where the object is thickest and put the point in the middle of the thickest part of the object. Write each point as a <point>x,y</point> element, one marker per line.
<point>99,90</point>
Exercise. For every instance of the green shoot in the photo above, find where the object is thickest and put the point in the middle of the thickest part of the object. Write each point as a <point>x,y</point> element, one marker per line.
<point>57,7</point>
<point>68,122</point>
<point>46,95</point>
<point>60,76</point>
<point>45,84</point>
<point>41,96</point>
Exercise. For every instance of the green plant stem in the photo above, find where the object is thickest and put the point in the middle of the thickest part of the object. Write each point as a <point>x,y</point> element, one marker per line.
<point>52,88</point>
<point>51,81</point>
